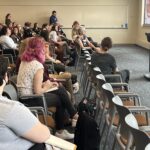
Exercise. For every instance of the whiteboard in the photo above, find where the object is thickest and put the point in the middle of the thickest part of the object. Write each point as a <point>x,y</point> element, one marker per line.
<point>94,16</point>
<point>102,16</point>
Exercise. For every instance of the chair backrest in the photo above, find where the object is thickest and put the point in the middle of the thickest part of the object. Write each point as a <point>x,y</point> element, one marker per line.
<point>97,69</point>
<point>122,127</point>
<point>131,121</point>
<point>10,57</point>
<point>78,48</point>
<point>100,79</point>
<point>141,139</point>
<point>108,93</point>
<point>107,87</point>
<point>10,91</point>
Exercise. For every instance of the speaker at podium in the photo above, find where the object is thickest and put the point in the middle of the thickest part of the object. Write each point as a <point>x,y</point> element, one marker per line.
<point>147,75</point>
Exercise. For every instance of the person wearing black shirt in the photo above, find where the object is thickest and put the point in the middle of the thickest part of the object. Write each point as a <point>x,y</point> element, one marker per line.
<point>106,62</point>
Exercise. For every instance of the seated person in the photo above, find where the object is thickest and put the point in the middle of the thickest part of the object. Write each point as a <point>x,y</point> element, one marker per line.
<point>36,29</point>
<point>45,32</point>
<point>75,28</point>
<point>23,130</point>
<point>106,62</point>
<point>27,30</point>
<point>15,35</point>
<point>30,81</point>
<point>6,40</point>
<point>8,45</point>
<point>60,69</point>
<point>83,41</point>
<point>63,48</point>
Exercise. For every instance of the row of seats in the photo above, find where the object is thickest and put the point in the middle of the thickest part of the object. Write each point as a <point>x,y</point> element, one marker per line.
<point>123,121</point>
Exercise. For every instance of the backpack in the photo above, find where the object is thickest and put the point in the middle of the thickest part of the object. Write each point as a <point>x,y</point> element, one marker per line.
<point>88,106</point>
<point>87,136</point>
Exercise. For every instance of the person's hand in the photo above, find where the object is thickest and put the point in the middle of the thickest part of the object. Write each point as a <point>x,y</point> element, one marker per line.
<point>48,84</point>
<point>58,62</point>
<point>55,84</point>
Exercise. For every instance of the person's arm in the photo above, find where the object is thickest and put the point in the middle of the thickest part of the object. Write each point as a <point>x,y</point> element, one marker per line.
<point>39,133</point>
<point>38,85</point>
<point>113,65</point>
<point>80,42</point>
<point>90,44</point>
<point>26,125</point>
<point>10,43</point>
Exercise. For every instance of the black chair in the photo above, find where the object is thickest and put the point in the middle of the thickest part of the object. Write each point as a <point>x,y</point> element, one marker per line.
<point>140,138</point>
<point>122,134</point>
<point>11,92</point>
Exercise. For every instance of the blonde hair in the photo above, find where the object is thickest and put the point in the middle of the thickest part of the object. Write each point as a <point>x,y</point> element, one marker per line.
<point>23,45</point>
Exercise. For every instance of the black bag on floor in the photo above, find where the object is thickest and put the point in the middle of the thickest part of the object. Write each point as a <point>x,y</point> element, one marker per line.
<point>38,146</point>
<point>87,135</point>
<point>88,106</point>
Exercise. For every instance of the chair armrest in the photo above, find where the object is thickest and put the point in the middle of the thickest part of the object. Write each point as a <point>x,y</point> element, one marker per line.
<point>145,128</point>
<point>122,85</point>
<point>112,75</point>
<point>37,109</point>
<point>141,109</point>
<point>119,84</point>
<point>138,108</point>
<point>35,96</point>
<point>31,96</point>
<point>130,94</point>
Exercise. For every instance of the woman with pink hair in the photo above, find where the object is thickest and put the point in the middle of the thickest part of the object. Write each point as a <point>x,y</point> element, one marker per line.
<point>30,81</point>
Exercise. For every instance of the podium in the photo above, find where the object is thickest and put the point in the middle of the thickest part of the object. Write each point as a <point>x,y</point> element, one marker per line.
<point>147,75</point>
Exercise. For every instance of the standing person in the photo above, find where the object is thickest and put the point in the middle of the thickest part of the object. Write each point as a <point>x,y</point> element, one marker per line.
<point>8,19</point>
<point>53,19</point>
<point>106,62</point>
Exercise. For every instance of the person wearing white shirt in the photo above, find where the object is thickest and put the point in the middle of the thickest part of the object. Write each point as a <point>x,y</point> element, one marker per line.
<point>7,43</point>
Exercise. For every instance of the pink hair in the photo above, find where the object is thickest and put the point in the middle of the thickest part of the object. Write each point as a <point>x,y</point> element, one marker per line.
<point>34,50</point>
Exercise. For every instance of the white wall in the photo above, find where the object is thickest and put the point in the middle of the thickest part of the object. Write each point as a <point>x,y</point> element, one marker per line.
<point>141,30</point>
<point>39,11</point>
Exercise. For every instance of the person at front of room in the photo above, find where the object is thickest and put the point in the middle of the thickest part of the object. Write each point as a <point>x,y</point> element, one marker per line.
<point>53,19</point>
<point>106,62</point>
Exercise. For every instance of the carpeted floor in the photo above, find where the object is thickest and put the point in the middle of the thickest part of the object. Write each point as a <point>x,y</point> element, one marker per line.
<point>136,59</point>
